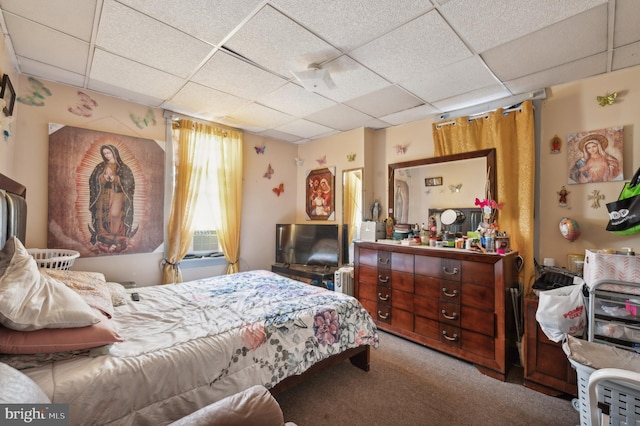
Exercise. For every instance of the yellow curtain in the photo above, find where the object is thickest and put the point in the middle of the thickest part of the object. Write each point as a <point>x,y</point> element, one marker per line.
<point>228,154</point>
<point>512,134</point>
<point>352,187</point>
<point>189,170</point>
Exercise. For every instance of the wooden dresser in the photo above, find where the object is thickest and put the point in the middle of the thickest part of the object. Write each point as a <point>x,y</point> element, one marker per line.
<point>455,301</point>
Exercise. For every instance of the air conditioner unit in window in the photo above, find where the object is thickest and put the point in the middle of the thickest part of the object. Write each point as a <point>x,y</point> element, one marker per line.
<point>204,242</point>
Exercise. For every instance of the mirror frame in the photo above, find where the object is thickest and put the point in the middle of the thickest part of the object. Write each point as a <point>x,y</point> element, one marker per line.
<point>489,154</point>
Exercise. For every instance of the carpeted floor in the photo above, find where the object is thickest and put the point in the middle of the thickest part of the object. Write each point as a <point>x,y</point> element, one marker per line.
<point>409,384</point>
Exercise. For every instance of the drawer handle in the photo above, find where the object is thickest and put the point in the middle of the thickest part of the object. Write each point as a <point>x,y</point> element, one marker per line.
<point>454,294</point>
<point>452,338</point>
<point>449,317</point>
<point>383,298</point>
<point>381,316</point>
<point>448,272</point>
<point>383,260</point>
<point>383,280</point>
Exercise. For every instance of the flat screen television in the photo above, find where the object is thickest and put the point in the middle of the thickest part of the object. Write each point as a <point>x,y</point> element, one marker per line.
<point>311,244</point>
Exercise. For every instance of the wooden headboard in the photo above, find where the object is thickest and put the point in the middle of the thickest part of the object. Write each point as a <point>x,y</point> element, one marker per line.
<point>13,210</point>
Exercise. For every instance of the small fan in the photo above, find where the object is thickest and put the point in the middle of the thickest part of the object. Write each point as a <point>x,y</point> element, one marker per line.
<point>314,78</point>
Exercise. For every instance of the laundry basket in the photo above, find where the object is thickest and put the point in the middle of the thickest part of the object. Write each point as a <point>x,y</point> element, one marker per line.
<point>622,402</point>
<point>54,258</point>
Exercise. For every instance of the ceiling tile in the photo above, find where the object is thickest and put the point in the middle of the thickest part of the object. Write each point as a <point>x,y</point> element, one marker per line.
<point>275,134</point>
<point>485,24</point>
<point>385,101</point>
<point>133,35</point>
<point>304,129</point>
<point>626,56</point>
<point>340,117</point>
<point>207,102</point>
<point>293,99</point>
<point>48,72</point>
<point>132,76</point>
<point>626,28</point>
<point>261,117</point>
<point>207,20</point>
<point>455,79</point>
<point>42,44</point>
<point>420,46</point>
<point>72,17</point>
<point>232,75</point>
<point>352,80</point>
<point>410,115</point>
<point>582,68</point>
<point>279,44</point>
<point>559,44</point>
<point>347,24</point>
<point>465,100</point>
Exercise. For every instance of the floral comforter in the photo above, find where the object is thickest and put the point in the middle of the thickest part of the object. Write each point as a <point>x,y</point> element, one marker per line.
<point>193,343</point>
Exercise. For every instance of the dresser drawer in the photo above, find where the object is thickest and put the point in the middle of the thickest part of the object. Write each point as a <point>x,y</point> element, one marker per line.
<point>426,327</point>
<point>368,257</point>
<point>450,335</point>
<point>451,269</point>
<point>429,266</point>
<point>402,281</point>
<point>383,259</point>
<point>401,300</point>
<point>478,296</point>
<point>368,274</point>
<point>426,307</point>
<point>478,273</point>
<point>450,290</point>
<point>383,313</point>
<point>477,320</point>
<point>478,344</point>
<point>367,291</point>
<point>449,313</point>
<point>427,286</point>
<point>383,294</point>
<point>402,262</point>
<point>401,319</point>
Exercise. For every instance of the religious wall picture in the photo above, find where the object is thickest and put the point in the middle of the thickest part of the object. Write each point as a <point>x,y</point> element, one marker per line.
<point>106,192</point>
<point>320,197</point>
<point>595,156</point>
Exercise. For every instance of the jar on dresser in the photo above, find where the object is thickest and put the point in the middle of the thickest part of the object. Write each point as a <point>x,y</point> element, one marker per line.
<point>455,301</point>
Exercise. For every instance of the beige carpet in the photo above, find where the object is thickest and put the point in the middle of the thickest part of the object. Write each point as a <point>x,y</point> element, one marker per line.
<point>409,384</point>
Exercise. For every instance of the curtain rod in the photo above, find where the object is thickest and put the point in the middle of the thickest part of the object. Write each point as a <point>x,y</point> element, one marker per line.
<point>175,116</point>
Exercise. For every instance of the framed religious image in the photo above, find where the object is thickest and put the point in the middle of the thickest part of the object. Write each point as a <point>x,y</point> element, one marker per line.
<point>595,156</point>
<point>433,181</point>
<point>8,94</point>
<point>320,194</point>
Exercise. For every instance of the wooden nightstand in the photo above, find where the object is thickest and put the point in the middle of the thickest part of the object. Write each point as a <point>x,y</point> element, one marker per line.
<point>546,368</point>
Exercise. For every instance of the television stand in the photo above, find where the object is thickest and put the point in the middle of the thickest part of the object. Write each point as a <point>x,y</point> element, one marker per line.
<point>321,276</point>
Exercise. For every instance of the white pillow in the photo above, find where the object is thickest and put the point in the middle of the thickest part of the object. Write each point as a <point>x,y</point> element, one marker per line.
<point>118,293</point>
<point>31,301</point>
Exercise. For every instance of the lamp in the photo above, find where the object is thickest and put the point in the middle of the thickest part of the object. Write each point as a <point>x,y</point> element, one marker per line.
<point>314,78</point>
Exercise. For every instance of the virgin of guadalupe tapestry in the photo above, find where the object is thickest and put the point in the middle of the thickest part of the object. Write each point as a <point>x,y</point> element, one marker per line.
<point>595,156</point>
<point>106,192</point>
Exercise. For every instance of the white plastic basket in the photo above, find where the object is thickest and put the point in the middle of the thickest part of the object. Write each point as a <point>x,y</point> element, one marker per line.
<point>54,258</point>
<point>623,402</point>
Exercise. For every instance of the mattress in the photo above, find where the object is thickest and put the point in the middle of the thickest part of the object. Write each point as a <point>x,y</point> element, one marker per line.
<point>190,344</point>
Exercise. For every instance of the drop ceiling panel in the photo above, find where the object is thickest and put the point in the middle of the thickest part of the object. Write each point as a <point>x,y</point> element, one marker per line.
<point>275,134</point>
<point>207,20</point>
<point>133,35</point>
<point>72,17</point>
<point>465,100</point>
<point>132,76</point>
<point>626,29</point>
<point>455,79</point>
<point>559,44</point>
<point>347,24</point>
<point>294,100</point>
<point>48,72</point>
<point>232,75</point>
<point>279,44</point>
<point>37,42</point>
<point>486,24</point>
<point>206,102</point>
<point>352,80</point>
<point>304,129</point>
<point>421,46</point>
<point>385,101</point>
<point>261,116</point>
<point>410,115</point>
<point>626,56</point>
<point>340,117</point>
<point>582,68</point>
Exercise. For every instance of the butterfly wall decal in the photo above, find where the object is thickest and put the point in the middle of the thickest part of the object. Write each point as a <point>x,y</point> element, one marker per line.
<point>455,188</point>
<point>260,149</point>
<point>85,105</point>
<point>299,161</point>
<point>351,156</point>
<point>322,160</point>
<point>279,189</point>
<point>609,99</point>
<point>401,149</point>
<point>37,95</point>
<point>142,122</point>
<point>269,172</point>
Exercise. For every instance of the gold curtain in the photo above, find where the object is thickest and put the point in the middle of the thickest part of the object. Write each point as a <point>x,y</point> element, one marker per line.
<point>228,154</point>
<point>199,148</point>
<point>512,134</point>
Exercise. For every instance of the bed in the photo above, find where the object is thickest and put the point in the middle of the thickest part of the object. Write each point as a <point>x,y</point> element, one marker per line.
<point>183,346</point>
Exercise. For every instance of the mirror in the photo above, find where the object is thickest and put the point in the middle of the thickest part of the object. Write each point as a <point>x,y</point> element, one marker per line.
<point>448,182</point>
<point>352,200</point>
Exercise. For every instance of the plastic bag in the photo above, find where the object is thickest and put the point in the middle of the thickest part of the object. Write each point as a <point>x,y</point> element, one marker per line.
<point>562,311</point>
<point>624,214</point>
